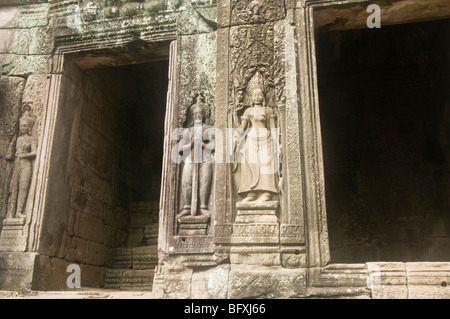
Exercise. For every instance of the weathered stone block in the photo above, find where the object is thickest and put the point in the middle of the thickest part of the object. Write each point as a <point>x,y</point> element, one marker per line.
<point>50,273</point>
<point>92,276</point>
<point>199,285</point>
<point>95,253</point>
<point>428,280</point>
<point>22,65</point>
<point>210,284</point>
<point>388,280</point>
<point>33,15</point>
<point>89,227</point>
<point>266,282</point>
<point>77,250</point>
<point>40,41</point>
<point>12,237</point>
<point>172,282</point>
<point>113,278</point>
<point>9,16</point>
<point>218,282</point>
<point>339,281</point>
<point>16,270</point>
<point>7,38</point>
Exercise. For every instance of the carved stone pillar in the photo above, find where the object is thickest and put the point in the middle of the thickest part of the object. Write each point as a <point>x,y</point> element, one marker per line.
<point>258,36</point>
<point>22,155</point>
<point>187,213</point>
<point>20,180</point>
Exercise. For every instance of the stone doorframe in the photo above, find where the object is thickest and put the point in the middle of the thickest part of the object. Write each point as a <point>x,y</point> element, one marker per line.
<point>131,48</point>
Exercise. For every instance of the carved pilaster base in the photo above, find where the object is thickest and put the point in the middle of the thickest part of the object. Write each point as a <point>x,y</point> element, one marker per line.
<point>256,234</point>
<point>12,237</point>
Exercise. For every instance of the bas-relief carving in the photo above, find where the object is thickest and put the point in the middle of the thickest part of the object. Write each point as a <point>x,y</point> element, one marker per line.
<point>197,148</point>
<point>196,178</point>
<point>23,157</point>
<point>256,97</point>
<point>254,113</point>
<point>189,195</point>
<point>254,107</point>
<point>257,158</point>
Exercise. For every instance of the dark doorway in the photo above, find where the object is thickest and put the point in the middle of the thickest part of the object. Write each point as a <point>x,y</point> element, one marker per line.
<point>385,120</point>
<point>102,206</point>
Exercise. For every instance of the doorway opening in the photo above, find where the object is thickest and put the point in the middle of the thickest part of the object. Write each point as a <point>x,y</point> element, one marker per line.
<point>102,206</point>
<point>385,120</point>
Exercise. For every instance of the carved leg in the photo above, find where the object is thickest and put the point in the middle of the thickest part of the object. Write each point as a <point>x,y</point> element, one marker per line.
<point>206,172</point>
<point>21,200</point>
<point>186,189</point>
<point>24,187</point>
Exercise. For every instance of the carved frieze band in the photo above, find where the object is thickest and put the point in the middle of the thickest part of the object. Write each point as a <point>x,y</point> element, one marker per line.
<point>256,11</point>
<point>256,230</point>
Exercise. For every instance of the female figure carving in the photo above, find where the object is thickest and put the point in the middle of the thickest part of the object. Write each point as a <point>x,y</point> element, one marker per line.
<point>257,155</point>
<point>26,147</point>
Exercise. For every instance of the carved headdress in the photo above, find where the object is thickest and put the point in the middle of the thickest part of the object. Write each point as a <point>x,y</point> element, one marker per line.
<point>256,82</point>
<point>27,118</point>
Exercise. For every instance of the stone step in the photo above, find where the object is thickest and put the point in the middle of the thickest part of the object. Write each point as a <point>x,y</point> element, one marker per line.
<point>129,279</point>
<point>132,268</point>
<point>143,257</point>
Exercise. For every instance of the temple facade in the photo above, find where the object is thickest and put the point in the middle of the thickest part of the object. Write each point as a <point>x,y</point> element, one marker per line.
<point>226,148</point>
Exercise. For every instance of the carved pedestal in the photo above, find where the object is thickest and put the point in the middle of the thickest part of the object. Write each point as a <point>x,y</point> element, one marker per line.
<point>193,225</point>
<point>12,237</point>
<point>256,234</point>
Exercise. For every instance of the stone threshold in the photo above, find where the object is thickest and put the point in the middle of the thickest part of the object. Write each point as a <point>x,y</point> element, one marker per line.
<point>82,293</point>
<point>381,280</point>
